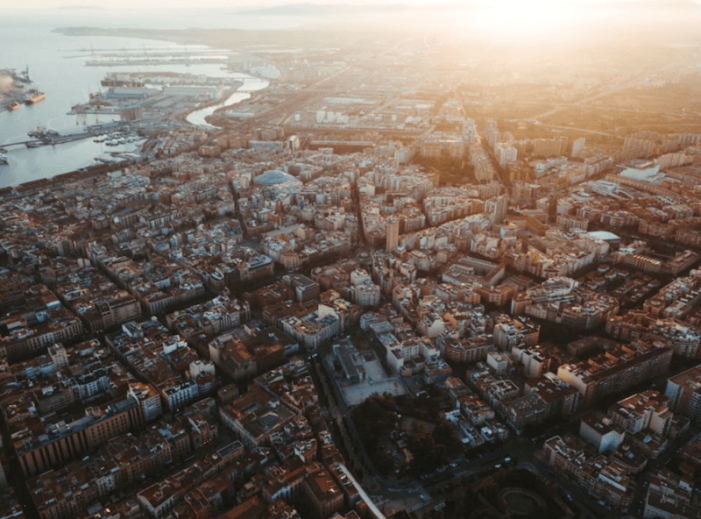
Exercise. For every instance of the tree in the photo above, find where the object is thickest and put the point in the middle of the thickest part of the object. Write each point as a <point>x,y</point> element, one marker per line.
<point>446,434</point>
<point>482,513</point>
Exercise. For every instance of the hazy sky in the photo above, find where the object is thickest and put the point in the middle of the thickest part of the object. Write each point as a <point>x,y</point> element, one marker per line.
<point>247,4</point>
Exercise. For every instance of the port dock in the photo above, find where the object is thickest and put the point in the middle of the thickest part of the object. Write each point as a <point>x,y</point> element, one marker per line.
<point>51,137</point>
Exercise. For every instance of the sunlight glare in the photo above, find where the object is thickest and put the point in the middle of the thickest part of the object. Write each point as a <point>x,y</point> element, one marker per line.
<point>521,21</point>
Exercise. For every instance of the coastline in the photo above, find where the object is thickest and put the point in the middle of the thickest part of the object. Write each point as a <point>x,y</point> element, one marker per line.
<point>30,186</point>
<point>236,85</point>
<point>213,38</point>
<point>16,184</point>
<point>234,40</point>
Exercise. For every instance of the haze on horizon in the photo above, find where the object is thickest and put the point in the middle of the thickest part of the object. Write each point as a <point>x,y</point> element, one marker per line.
<point>496,21</point>
<point>532,5</point>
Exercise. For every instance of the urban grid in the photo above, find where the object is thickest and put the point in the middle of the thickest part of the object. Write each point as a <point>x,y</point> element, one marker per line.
<point>374,289</point>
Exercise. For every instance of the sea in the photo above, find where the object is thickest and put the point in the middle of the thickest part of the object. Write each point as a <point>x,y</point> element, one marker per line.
<point>56,65</point>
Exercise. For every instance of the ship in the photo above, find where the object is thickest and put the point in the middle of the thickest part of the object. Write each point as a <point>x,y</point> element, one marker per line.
<point>13,106</point>
<point>4,159</point>
<point>42,134</point>
<point>112,81</point>
<point>34,96</point>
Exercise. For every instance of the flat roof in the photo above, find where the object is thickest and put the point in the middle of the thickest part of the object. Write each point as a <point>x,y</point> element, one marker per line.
<point>604,235</point>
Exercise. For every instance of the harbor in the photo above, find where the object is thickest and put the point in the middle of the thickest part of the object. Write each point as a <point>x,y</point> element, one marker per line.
<point>68,84</point>
<point>138,109</point>
<point>45,137</point>
<point>153,96</point>
<point>151,61</point>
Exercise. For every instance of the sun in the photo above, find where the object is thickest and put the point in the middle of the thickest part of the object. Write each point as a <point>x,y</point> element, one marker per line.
<point>520,21</point>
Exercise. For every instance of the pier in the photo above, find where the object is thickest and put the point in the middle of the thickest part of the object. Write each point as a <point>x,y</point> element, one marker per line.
<point>50,138</point>
<point>31,143</point>
<point>135,61</point>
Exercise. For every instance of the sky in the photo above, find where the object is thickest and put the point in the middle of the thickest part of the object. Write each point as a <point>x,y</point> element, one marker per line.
<point>496,20</point>
<point>530,5</point>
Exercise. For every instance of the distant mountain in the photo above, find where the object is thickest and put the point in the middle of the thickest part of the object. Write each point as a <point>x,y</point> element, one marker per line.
<point>80,7</point>
<point>308,8</point>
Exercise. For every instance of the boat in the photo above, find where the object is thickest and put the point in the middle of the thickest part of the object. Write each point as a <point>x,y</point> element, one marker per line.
<point>4,159</point>
<point>111,81</point>
<point>34,144</point>
<point>13,106</point>
<point>34,96</point>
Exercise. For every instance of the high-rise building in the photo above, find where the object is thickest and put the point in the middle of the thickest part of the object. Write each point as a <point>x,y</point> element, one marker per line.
<point>578,147</point>
<point>469,132</point>
<point>684,393</point>
<point>491,133</point>
<point>506,154</point>
<point>496,208</point>
<point>392,233</point>
<point>638,147</point>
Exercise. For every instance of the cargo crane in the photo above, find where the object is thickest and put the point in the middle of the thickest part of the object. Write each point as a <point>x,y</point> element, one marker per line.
<point>81,115</point>
<point>82,112</point>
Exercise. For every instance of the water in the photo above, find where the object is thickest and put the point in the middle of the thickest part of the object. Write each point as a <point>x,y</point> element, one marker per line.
<point>56,66</point>
<point>249,85</point>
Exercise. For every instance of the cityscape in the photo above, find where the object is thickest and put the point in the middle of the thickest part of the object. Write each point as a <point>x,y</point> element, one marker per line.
<point>345,260</point>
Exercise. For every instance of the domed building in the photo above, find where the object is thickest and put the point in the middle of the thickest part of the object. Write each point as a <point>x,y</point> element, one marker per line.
<point>276,179</point>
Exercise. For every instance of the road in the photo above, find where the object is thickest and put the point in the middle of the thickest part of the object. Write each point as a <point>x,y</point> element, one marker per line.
<point>522,450</point>
<point>298,101</point>
<point>371,505</point>
<point>524,454</point>
<point>606,134</point>
<point>607,91</point>
<point>388,488</point>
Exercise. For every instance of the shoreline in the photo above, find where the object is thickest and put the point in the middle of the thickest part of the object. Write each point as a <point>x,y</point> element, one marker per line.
<point>168,35</point>
<point>178,37</point>
<point>95,170</point>
<point>185,115</point>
